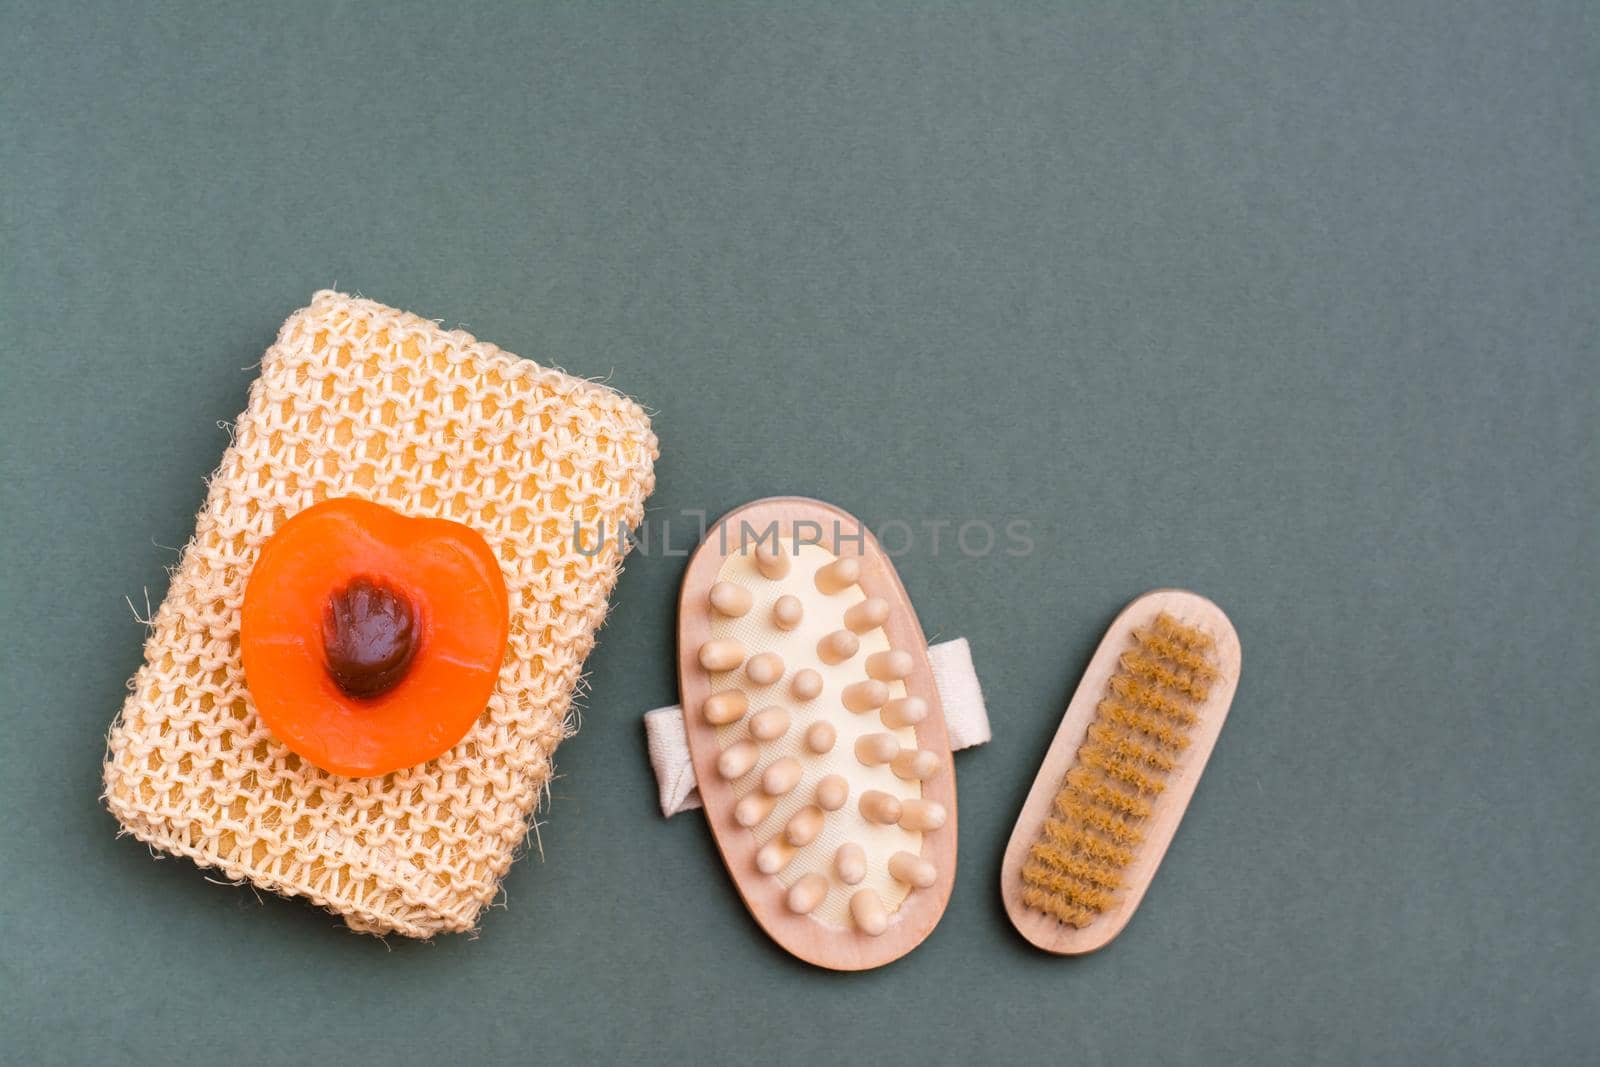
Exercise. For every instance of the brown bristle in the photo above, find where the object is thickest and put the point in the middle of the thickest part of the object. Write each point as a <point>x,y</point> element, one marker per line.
<point>1143,695</point>
<point>1083,810</point>
<point>1094,786</point>
<point>1188,636</point>
<point>1056,906</point>
<point>1128,747</point>
<point>1087,841</point>
<point>1068,861</point>
<point>1115,767</point>
<point>1072,889</point>
<point>1137,738</point>
<point>1179,654</point>
<point>1136,719</point>
<point>1157,672</point>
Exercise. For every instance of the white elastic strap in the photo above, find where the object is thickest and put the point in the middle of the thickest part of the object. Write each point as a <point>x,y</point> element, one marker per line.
<point>965,719</point>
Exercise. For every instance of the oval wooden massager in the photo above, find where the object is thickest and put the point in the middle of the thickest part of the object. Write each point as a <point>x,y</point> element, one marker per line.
<point>816,733</point>
<point>1120,772</point>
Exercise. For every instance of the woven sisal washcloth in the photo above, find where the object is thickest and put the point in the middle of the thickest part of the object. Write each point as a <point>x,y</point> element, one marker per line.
<point>358,399</point>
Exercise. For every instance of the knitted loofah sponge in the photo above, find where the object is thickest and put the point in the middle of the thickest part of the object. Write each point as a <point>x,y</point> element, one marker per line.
<point>358,399</point>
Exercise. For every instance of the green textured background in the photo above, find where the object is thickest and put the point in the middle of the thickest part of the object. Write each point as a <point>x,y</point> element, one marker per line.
<point>1291,304</point>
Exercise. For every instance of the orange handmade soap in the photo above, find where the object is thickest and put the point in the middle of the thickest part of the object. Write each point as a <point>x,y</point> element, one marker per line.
<point>371,640</point>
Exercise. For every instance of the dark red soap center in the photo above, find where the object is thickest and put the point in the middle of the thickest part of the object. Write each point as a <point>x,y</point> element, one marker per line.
<point>369,635</point>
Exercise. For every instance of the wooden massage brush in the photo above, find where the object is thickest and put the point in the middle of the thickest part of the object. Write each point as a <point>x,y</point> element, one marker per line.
<point>816,733</point>
<point>1120,772</point>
